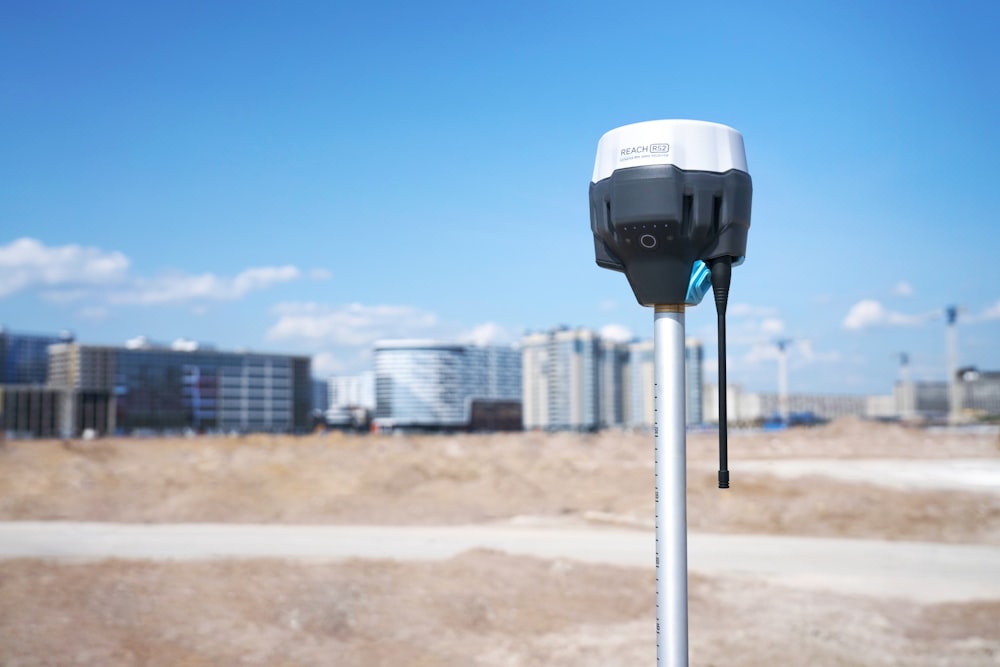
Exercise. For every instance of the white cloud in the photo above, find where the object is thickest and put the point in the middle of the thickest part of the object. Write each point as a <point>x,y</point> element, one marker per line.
<point>807,355</point>
<point>989,313</point>
<point>800,353</point>
<point>342,337</point>
<point>753,330</point>
<point>93,313</point>
<point>488,333</point>
<point>320,274</point>
<point>350,325</point>
<point>72,273</point>
<point>747,310</point>
<point>325,364</point>
<point>760,352</point>
<point>607,305</point>
<point>616,333</point>
<point>180,287</point>
<point>870,313</point>
<point>772,326</point>
<point>902,288</point>
<point>27,263</point>
<point>258,278</point>
<point>749,324</point>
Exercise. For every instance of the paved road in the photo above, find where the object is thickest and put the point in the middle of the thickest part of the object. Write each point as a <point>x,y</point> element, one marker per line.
<point>918,571</point>
<point>979,475</point>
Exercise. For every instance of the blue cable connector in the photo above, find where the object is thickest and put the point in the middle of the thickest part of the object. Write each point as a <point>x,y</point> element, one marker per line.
<point>701,282</point>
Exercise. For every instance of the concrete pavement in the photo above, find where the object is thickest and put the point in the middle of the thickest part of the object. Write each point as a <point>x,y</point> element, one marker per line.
<point>919,571</point>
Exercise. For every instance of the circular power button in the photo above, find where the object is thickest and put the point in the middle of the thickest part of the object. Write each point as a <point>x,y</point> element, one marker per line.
<point>647,241</point>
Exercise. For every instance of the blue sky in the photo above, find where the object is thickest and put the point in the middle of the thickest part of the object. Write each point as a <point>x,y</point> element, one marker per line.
<point>310,177</point>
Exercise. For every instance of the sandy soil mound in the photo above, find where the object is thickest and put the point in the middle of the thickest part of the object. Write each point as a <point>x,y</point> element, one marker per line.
<point>471,479</point>
<point>482,608</point>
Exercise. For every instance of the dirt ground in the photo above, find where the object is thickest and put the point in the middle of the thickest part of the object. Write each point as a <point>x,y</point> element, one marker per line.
<point>481,608</point>
<point>338,479</point>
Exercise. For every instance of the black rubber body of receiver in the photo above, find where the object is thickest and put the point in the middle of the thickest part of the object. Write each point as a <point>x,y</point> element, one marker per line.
<point>654,222</point>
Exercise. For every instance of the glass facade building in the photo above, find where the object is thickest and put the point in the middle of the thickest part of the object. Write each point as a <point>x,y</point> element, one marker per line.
<point>28,407</point>
<point>24,358</point>
<point>427,384</point>
<point>161,389</point>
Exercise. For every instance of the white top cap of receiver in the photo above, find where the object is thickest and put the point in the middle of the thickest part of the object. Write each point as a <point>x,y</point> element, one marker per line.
<point>692,145</point>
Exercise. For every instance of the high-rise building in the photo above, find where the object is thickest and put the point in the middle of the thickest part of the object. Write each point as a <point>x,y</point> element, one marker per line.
<point>573,379</point>
<point>433,385</point>
<point>641,367</point>
<point>612,361</point>
<point>641,383</point>
<point>535,380</point>
<point>694,380</point>
<point>561,379</point>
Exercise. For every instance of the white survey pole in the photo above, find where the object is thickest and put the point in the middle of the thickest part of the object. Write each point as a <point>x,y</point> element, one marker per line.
<point>671,487</point>
<point>670,208</point>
